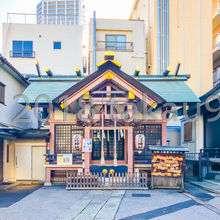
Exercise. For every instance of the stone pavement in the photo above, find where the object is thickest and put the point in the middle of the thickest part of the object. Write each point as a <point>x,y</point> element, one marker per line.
<point>55,202</point>
<point>209,185</point>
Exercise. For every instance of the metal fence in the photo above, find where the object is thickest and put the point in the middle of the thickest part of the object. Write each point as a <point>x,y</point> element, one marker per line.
<point>203,165</point>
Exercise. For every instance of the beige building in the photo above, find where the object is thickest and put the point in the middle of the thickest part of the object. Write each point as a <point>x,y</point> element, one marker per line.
<point>124,37</point>
<point>216,41</point>
<point>178,30</point>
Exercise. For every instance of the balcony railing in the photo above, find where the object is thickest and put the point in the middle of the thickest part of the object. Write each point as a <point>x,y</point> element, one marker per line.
<point>216,41</point>
<point>22,53</point>
<point>51,159</point>
<point>216,77</point>
<point>114,46</point>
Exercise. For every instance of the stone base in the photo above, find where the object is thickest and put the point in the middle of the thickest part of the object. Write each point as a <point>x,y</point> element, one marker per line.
<point>47,184</point>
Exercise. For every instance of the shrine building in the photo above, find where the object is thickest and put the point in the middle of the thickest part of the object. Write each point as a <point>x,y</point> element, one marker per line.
<point>106,120</point>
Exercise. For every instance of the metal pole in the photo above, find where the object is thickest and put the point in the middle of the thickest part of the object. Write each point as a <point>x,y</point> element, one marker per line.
<point>163,35</point>
<point>94,41</point>
<point>168,34</point>
<point>158,37</point>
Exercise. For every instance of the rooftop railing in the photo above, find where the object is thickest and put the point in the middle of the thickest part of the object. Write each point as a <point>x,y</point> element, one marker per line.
<point>27,18</point>
<point>216,41</point>
<point>216,77</point>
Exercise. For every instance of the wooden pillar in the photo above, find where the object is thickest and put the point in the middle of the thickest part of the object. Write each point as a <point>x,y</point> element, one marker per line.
<point>164,133</point>
<point>52,133</point>
<point>130,141</point>
<point>52,137</point>
<point>87,157</point>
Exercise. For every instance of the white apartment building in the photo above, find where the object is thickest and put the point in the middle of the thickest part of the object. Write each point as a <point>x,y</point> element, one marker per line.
<point>60,12</point>
<point>126,38</point>
<point>58,47</point>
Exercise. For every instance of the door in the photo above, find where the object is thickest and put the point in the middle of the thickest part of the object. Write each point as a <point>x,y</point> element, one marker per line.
<point>23,162</point>
<point>1,160</point>
<point>108,145</point>
<point>38,160</point>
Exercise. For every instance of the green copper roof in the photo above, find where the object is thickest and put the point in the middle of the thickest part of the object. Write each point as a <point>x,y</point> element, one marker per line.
<point>172,91</point>
<point>52,89</point>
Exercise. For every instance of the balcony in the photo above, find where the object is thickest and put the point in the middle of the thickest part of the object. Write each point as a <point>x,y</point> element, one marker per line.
<point>22,54</point>
<point>216,47</point>
<point>215,13</point>
<point>216,77</point>
<point>114,46</point>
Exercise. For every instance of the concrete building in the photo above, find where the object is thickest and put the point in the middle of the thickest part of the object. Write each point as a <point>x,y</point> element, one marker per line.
<point>58,47</point>
<point>178,30</point>
<point>216,41</point>
<point>124,37</point>
<point>61,12</point>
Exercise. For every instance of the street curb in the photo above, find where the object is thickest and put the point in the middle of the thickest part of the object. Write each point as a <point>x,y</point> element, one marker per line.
<point>10,186</point>
<point>206,188</point>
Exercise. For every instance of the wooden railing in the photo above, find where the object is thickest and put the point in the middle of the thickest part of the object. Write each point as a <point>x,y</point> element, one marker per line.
<point>103,181</point>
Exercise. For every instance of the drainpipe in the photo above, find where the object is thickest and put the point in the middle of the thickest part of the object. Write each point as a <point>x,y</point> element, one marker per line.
<point>199,48</point>
<point>163,35</point>
<point>94,41</point>
<point>168,33</point>
<point>183,38</point>
<point>158,37</point>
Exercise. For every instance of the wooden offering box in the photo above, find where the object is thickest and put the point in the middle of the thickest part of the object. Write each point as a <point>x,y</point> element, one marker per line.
<point>167,167</point>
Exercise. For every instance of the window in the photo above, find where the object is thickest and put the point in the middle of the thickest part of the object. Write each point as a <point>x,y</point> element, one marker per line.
<point>188,131</point>
<point>57,45</point>
<point>152,133</point>
<point>2,93</point>
<point>23,49</point>
<point>64,139</point>
<point>116,42</point>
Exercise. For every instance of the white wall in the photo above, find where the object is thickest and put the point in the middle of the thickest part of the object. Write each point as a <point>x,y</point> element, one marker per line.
<point>61,62</point>
<point>11,108</point>
<point>197,142</point>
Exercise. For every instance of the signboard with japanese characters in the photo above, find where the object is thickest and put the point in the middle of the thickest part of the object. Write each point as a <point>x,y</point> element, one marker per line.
<point>64,159</point>
<point>77,142</point>
<point>87,145</point>
<point>139,141</point>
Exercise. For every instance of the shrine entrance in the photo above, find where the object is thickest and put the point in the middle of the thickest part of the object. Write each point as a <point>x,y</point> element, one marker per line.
<point>108,144</point>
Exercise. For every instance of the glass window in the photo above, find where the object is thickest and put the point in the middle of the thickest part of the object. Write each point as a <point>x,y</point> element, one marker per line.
<point>17,48</point>
<point>2,93</point>
<point>116,42</point>
<point>22,49</point>
<point>56,45</point>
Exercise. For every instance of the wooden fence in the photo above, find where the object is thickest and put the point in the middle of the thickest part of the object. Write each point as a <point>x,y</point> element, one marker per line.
<point>102,181</point>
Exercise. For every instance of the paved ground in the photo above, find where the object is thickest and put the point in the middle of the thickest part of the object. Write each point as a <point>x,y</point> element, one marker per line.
<point>57,203</point>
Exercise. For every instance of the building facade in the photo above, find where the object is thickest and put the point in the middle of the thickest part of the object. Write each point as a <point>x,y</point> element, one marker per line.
<point>106,120</point>
<point>124,37</point>
<point>178,30</point>
<point>61,12</point>
<point>216,41</point>
<point>58,47</point>
<point>15,121</point>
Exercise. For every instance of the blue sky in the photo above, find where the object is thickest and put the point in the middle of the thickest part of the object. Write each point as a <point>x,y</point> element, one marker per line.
<point>104,8</point>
